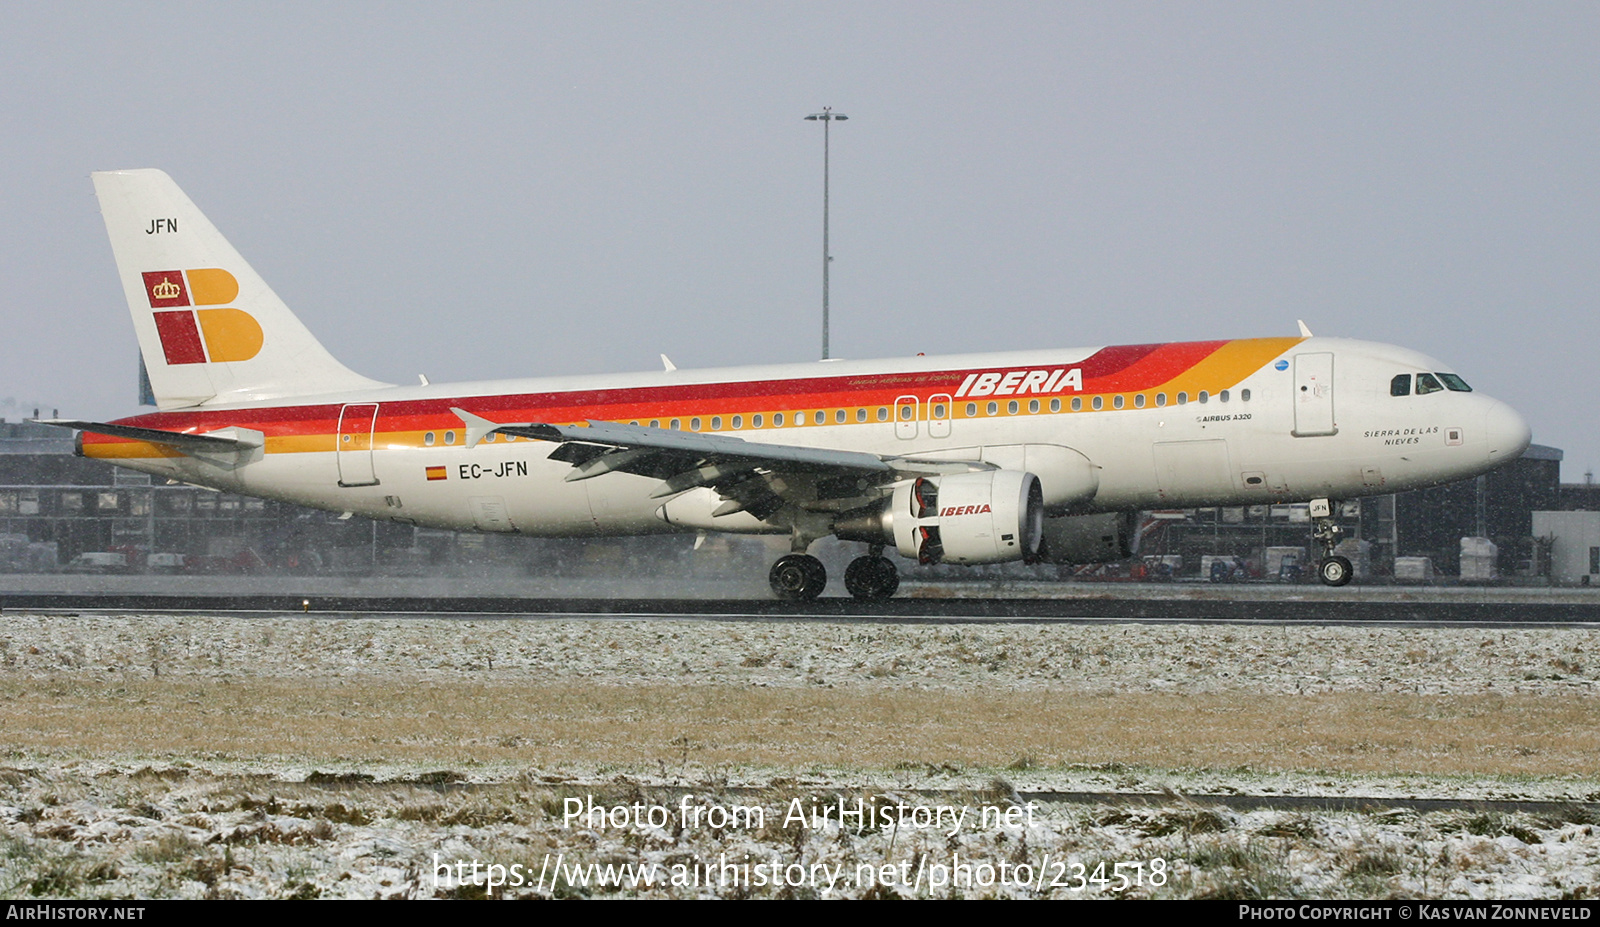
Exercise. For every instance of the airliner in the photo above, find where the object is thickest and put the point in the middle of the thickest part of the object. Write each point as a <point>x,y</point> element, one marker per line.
<point>1041,455</point>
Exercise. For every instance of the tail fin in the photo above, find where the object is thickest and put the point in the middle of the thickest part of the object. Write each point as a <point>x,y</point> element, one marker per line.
<point>210,330</point>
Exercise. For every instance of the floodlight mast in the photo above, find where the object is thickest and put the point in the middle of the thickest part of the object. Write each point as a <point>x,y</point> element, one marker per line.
<point>827,117</point>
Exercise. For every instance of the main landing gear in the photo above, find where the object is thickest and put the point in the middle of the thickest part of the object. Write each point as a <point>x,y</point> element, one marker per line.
<point>872,578</point>
<point>1331,569</point>
<point>798,578</point>
<point>801,577</point>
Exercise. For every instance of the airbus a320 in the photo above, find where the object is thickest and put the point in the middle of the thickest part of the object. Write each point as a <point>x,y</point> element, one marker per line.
<point>1041,455</point>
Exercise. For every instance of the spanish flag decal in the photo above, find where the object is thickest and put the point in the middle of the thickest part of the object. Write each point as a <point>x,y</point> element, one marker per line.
<point>436,473</point>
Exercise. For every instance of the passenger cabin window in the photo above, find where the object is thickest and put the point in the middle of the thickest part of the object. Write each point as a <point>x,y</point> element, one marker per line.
<point>1427,384</point>
<point>1454,383</point>
<point>1400,385</point>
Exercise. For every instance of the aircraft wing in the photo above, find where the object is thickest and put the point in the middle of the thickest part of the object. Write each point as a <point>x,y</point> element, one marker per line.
<point>691,444</point>
<point>752,476</point>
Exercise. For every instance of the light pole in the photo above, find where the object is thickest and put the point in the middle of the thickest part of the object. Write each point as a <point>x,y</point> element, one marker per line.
<point>826,117</point>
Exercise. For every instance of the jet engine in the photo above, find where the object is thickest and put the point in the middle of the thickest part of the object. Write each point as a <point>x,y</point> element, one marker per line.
<point>991,516</point>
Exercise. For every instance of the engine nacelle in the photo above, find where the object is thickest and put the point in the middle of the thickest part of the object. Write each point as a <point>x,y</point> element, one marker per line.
<point>1088,538</point>
<point>991,516</point>
<point>1067,477</point>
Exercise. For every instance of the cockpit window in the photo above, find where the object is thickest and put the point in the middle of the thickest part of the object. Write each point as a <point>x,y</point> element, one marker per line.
<point>1427,384</point>
<point>1400,385</point>
<point>1454,383</point>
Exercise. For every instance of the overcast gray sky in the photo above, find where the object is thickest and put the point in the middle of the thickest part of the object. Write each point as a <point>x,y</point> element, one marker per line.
<point>520,189</point>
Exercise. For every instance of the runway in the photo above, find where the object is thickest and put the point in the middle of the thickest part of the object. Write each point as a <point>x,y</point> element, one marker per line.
<point>1019,602</point>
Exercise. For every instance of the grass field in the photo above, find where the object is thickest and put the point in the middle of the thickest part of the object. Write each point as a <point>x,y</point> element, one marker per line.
<point>654,726</point>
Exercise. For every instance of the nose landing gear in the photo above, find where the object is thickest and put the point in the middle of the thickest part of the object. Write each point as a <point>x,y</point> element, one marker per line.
<point>1331,569</point>
<point>1334,571</point>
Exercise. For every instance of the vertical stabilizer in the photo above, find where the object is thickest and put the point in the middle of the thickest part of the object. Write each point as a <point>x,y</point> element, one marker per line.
<point>210,330</point>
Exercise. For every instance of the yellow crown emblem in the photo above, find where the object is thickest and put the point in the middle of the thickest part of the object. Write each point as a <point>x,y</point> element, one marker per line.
<point>166,289</point>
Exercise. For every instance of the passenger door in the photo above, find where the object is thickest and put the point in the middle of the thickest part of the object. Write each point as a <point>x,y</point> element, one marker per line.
<point>1313,395</point>
<point>356,422</point>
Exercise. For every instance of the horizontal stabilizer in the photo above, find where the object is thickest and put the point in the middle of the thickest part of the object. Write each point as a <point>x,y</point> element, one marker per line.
<point>236,440</point>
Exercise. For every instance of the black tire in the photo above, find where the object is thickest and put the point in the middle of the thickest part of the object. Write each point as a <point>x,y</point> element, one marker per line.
<point>872,579</point>
<point>798,578</point>
<point>818,575</point>
<point>1335,571</point>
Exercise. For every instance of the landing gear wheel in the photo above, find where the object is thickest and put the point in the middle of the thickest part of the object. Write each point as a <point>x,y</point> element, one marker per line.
<point>798,578</point>
<point>1335,571</point>
<point>873,579</point>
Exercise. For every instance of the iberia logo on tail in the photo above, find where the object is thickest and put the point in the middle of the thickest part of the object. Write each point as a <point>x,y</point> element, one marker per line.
<point>197,336</point>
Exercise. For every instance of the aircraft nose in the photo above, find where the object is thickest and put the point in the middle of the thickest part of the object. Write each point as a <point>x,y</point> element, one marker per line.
<point>1508,433</point>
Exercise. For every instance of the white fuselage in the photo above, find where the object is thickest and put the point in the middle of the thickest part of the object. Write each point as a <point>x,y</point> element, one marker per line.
<point>1316,419</point>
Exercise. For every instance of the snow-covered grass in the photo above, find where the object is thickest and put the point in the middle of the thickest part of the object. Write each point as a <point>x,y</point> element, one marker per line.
<point>290,757</point>
<point>178,832</point>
